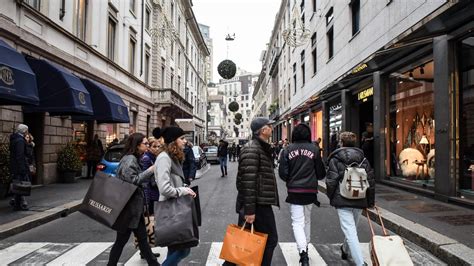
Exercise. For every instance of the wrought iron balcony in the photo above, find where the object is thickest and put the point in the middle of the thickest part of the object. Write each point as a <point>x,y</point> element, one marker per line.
<point>170,98</point>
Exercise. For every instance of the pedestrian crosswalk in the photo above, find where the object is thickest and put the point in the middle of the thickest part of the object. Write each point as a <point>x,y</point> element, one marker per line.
<point>96,253</point>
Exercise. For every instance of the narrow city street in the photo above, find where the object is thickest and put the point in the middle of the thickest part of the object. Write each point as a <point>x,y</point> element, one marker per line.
<point>78,239</point>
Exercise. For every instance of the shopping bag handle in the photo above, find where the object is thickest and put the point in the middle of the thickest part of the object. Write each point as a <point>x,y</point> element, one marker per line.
<point>243,227</point>
<point>381,222</point>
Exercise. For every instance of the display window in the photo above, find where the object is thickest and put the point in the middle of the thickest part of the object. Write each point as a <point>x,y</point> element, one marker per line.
<point>112,133</point>
<point>335,125</point>
<point>411,139</point>
<point>466,117</point>
<point>317,126</point>
<point>80,139</point>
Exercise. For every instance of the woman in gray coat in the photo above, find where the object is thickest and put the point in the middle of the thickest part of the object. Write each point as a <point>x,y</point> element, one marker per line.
<point>170,179</point>
<point>129,170</point>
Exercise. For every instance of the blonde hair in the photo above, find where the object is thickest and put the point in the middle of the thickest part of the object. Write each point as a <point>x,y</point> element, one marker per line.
<point>348,139</point>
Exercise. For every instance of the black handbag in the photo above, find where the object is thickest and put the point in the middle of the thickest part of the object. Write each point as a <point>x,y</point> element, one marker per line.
<point>21,188</point>
<point>176,224</point>
<point>106,198</point>
<point>197,204</point>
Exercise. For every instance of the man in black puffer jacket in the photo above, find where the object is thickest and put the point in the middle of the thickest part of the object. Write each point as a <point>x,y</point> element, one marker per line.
<point>257,186</point>
<point>349,210</point>
<point>301,167</point>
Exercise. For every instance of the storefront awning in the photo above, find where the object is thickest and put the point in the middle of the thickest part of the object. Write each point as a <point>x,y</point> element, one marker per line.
<point>108,106</point>
<point>60,92</point>
<point>17,80</point>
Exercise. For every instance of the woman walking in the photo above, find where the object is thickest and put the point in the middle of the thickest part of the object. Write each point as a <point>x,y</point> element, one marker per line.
<point>170,179</point>
<point>349,210</point>
<point>150,187</point>
<point>301,167</point>
<point>129,171</point>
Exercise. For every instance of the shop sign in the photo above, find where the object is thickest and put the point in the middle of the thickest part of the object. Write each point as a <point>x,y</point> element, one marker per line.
<point>335,107</point>
<point>82,98</point>
<point>6,75</point>
<point>365,94</point>
<point>359,68</point>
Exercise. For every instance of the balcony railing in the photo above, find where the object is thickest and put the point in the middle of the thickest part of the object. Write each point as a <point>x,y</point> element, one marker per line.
<point>170,97</point>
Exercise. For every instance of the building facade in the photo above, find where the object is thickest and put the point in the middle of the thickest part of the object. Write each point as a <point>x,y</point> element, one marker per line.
<point>206,33</point>
<point>106,47</point>
<point>403,68</point>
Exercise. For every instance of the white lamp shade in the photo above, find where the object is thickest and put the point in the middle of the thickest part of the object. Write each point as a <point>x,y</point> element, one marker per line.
<point>424,140</point>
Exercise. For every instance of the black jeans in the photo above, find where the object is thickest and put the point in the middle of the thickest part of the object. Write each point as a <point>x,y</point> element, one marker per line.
<point>91,168</point>
<point>264,223</point>
<point>122,239</point>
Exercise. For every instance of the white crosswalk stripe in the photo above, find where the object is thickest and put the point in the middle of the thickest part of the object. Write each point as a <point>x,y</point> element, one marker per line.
<point>208,254</point>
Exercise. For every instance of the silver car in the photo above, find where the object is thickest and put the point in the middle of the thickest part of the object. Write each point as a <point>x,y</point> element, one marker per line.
<point>211,154</point>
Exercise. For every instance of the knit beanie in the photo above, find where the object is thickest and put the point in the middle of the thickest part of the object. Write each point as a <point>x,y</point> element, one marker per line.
<point>170,134</point>
<point>157,132</point>
<point>22,129</point>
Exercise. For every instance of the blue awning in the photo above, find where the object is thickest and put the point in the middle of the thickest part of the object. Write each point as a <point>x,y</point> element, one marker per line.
<point>60,92</point>
<point>17,80</point>
<point>108,106</point>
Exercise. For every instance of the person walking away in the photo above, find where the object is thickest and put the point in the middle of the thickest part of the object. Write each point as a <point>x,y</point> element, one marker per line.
<point>237,151</point>
<point>129,170</point>
<point>189,164</point>
<point>222,154</point>
<point>170,179</point>
<point>349,210</point>
<point>301,167</point>
<point>232,153</point>
<point>94,155</point>
<point>257,186</point>
<point>19,168</point>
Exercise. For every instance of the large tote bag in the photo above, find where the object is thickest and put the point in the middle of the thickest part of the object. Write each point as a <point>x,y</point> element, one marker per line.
<point>243,247</point>
<point>387,250</point>
<point>106,198</point>
<point>176,223</point>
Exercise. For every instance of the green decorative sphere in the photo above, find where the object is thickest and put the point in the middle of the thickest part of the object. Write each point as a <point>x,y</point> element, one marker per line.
<point>233,106</point>
<point>238,116</point>
<point>237,121</point>
<point>227,69</point>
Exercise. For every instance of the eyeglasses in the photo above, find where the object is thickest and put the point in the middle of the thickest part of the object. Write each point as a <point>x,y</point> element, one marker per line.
<point>146,143</point>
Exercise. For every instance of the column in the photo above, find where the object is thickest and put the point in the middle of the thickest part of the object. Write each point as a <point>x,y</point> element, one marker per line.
<point>346,101</point>
<point>380,126</point>
<point>325,109</point>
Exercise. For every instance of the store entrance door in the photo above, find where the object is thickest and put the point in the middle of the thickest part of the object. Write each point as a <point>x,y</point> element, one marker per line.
<point>35,123</point>
<point>365,130</point>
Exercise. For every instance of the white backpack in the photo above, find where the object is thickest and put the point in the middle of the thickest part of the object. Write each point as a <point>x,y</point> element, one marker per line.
<point>354,184</point>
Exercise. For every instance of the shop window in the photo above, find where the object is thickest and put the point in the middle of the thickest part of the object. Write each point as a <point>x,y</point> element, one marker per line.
<point>412,125</point>
<point>466,117</point>
<point>335,125</point>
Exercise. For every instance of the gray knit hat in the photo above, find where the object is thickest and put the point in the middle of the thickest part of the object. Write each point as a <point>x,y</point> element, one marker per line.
<point>22,129</point>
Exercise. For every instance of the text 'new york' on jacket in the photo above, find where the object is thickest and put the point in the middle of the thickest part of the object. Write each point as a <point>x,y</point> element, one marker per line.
<point>256,182</point>
<point>338,162</point>
<point>301,167</point>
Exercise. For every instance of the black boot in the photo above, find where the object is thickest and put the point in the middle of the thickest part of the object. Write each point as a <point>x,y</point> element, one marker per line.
<point>304,259</point>
<point>343,253</point>
<point>225,168</point>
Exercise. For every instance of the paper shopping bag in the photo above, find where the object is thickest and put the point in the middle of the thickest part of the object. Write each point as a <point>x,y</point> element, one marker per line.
<point>243,247</point>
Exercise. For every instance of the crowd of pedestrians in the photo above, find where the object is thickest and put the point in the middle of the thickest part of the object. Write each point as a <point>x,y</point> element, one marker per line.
<point>163,166</point>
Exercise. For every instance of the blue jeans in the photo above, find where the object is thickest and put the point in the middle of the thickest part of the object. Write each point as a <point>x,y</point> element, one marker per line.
<point>174,256</point>
<point>349,218</point>
<point>223,163</point>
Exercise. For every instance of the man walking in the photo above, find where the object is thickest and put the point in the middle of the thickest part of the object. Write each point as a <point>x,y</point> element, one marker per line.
<point>301,167</point>
<point>222,154</point>
<point>19,164</point>
<point>257,186</point>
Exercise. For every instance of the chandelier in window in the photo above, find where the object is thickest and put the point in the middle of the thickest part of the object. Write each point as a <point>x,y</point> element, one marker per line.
<point>296,34</point>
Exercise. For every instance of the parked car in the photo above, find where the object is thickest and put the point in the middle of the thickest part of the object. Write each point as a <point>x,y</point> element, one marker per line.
<point>199,157</point>
<point>211,154</point>
<point>111,159</point>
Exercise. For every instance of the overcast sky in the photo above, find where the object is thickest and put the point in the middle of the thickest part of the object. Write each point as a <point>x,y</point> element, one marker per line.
<point>251,21</point>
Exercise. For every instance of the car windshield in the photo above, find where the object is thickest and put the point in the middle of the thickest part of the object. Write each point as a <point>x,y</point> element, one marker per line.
<point>113,155</point>
<point>210,149</point>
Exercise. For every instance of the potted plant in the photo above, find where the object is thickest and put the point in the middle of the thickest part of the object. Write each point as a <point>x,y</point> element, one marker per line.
<point>5,177</point>
<point>69,163</point>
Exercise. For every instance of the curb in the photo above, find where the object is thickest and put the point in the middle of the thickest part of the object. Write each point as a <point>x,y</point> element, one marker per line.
<point>447,249</point>
<point>35,220</point>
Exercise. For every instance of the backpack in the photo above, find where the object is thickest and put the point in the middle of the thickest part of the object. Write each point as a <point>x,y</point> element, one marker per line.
<point>354,184</point>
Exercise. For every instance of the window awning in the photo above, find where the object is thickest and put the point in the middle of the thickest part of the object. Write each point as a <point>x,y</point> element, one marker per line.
<point>60,92</point>
<point>108,106</point>
<point>17,80</point>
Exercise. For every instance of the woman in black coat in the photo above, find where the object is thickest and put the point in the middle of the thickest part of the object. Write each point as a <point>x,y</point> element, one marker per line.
<point>129,170</point>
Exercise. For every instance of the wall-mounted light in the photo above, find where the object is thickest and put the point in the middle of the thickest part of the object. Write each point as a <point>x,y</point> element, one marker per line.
<point>422,70</point>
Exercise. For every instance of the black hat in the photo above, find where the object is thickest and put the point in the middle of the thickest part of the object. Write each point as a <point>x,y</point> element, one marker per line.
<point>258,123</point>
<point>157,132</point>
<point>170,134</point>
<point>301,132</point>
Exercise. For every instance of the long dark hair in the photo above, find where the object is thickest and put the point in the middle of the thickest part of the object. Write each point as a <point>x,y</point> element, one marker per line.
<point>132,143</point>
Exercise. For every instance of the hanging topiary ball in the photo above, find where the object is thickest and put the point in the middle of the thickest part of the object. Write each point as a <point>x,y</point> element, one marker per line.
<point>237,121</point>
<point>227,69</point>
<point>238,116</point>
<point>233,106</point>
